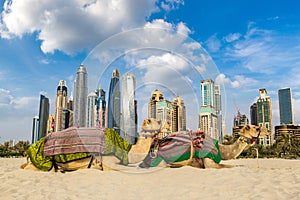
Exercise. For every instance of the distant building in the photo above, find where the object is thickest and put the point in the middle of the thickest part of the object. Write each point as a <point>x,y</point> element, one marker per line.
<point>129,114</point>
<point>101,108</point>
<point>218,105</point>
<point>156,96</point>
<point>179,115</point>
<point>61,104</point>
<point>209,119</point>
<point>285,106</point>
<point>43,116</point>
<point>253,114</point>
<point>51,123</point>
<point>292,129</point>
<point>164,113</point>
<point>264,116</point>
<point>91,115</point>
<point>80,97</point>
<point>114,103</point>
<point>238,123</point>
<point>35,129</point>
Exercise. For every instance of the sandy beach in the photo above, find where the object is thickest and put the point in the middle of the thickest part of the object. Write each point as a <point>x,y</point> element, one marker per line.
<point>267,179</point>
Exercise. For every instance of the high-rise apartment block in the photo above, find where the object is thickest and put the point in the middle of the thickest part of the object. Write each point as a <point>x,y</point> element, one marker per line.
<point>101,108</point>
<point>80,97</point>
<point>114,106</point>
<point>171,114</point>
<point>61,105</point>
<point>129,114</point>
<point>264,116</point>
<point>179,115</point>
<point>43,116</point>
<point>35,129</point>
<point>239,121</point>
<point>285,106</point>
<point>210,119</point>
<point>91,115</point>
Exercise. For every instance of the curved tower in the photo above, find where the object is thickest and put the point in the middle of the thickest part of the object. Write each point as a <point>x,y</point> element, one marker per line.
<point>113,120</point>
<point>129,114</point>
<point>80,97</point>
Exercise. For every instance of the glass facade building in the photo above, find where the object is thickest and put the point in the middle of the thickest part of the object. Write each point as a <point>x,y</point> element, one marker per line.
<point>285,106</point>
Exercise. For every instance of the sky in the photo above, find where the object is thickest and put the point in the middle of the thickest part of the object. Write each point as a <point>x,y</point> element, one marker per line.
<point>167,44</point>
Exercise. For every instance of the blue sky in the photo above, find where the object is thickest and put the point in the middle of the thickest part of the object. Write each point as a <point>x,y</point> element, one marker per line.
<point>253,44</point>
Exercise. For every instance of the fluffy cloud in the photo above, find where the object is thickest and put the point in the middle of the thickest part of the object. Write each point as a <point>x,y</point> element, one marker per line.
<point>238,82</point>
<point>76,25</point>
<point>213,43</point>
<point>232,37</point>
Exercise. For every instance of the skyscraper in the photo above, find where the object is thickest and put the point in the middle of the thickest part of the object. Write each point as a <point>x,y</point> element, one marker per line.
<point>179,115</point>
<point>156,96</point>
<point>208,119</point>
<point>35,129</point>
<point>238,123</point>
<point>80,97</point>
<point>114,105</point>
<point>101,108</point>
<point>61,104</point>
<point>285,106</point>
<point>164,113</point>
<point>253,114</point>
<point>218,106</point>
<point>128,120</point>
<point>43,116</point>
<point>91,115</point>
<point>264,116</point>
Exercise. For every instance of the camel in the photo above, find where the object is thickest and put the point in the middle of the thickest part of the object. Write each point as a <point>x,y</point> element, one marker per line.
<point>136,154</point>
<point>248,135</point>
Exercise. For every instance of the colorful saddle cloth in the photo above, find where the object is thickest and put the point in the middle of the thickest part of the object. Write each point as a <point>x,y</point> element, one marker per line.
<point>77,143</point>
<point>177,147</point>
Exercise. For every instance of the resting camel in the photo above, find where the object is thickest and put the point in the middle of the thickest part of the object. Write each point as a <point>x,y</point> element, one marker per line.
<point>248,136</point>
<point>140,150</point>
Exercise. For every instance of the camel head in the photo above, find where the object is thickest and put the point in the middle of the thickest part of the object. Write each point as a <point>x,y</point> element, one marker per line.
<point>151,125</point>
<point>252,132</point>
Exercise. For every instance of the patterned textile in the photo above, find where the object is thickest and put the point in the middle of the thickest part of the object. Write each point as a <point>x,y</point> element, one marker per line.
<point>116,145</point>
<point>37,156</point>
<point>75,140</point>
<point>177,147</point>
<point>77,143</point>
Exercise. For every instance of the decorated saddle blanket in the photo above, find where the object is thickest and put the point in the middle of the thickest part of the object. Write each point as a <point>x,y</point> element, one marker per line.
<point>75,140</point>
<point>177,147</point>
<point>74,143</point>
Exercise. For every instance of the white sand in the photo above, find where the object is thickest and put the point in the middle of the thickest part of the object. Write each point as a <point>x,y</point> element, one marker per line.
<point>274,179</point>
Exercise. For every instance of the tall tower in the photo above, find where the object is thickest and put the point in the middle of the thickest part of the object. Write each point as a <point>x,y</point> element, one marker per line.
<point>208,120</point>
<point>91,115</point>
<point>238,123</point>
<point>80,97</point>
<point>179,115</point>
<point>285,106</point>
<point>61,104</point>
<point>35,129</point>
<point>128,120</point>
<point>43,116</point>
<point>264,116</point>
<point>156,96</point>
<point>218,106</point>
<point>114,110</point>
<point>101,108</point>
<point>253,114</point>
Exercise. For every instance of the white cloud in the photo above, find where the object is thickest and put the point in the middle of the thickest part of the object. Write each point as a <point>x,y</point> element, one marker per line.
<point>73,26</point>
<point>213,43</point>
<point>5,97</point>
<point>222,79</point>
<point>168,5</point>
<point>232,37</point>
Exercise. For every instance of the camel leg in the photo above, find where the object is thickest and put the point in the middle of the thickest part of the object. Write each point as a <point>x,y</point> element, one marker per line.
<point>209,163</point>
